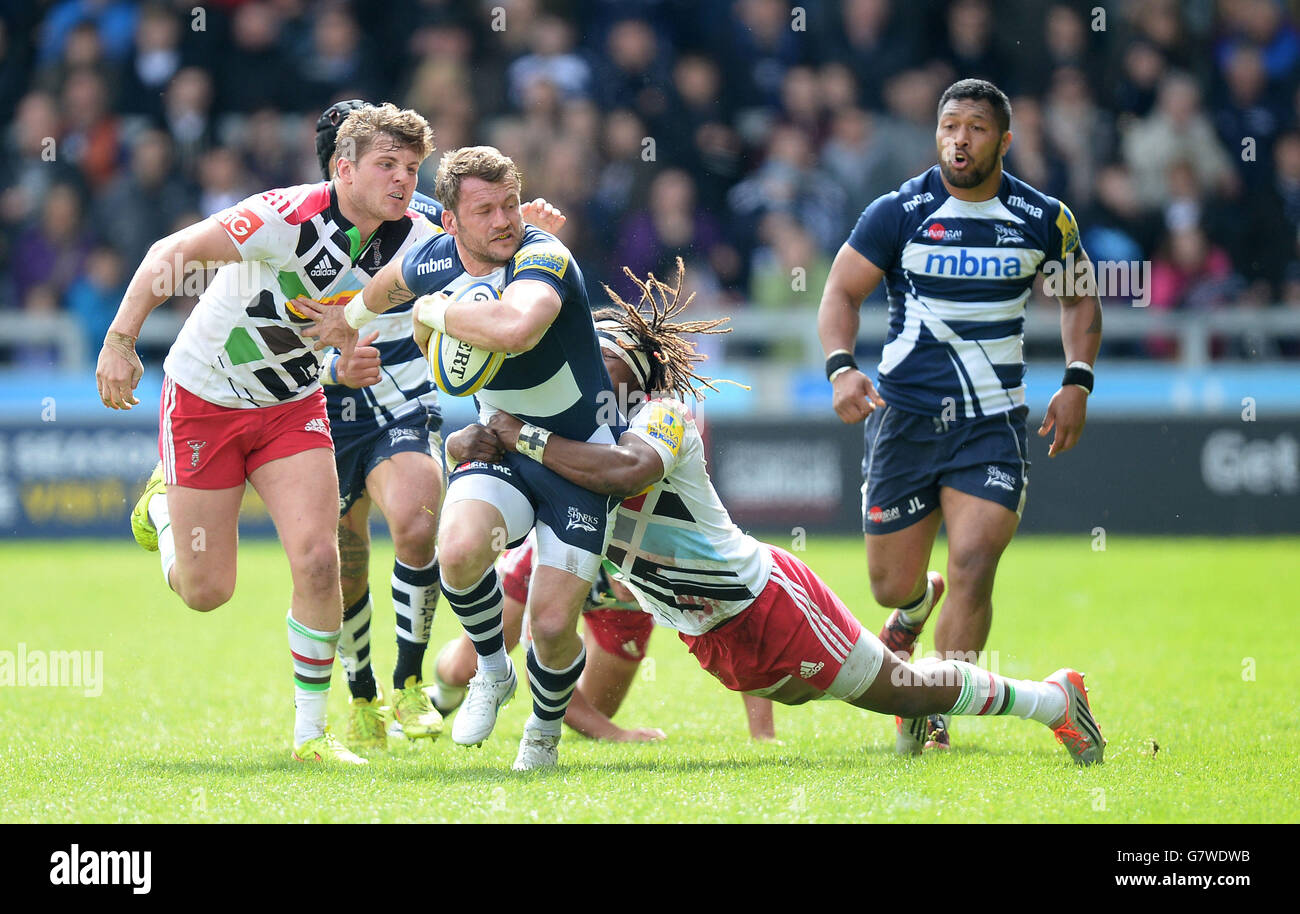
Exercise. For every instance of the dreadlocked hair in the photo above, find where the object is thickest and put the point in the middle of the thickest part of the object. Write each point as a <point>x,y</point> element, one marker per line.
<point>672,356</point>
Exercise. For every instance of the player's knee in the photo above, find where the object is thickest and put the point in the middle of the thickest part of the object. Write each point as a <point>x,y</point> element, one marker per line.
<point>462,558</point>
<point>889,588</point>
<point>413,536</point>
<point>316,568</point>
<point>971,566</point>
<point>548,627</point>
<point>206,595</point>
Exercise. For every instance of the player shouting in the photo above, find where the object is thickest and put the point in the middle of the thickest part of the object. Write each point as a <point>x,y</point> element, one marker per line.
<point>753,615</point>
<point>241,397</point>
<point>958,248</point>
<point>384,419</point>
<point>555,378</point>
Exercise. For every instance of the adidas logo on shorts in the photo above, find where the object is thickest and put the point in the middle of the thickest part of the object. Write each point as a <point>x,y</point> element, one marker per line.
<point>808,669</point>
<point>317,425</point>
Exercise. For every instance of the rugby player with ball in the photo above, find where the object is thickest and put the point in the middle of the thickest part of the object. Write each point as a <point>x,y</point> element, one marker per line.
<point>555,379</point>
<point>385,421</point>
<point>753,615</point>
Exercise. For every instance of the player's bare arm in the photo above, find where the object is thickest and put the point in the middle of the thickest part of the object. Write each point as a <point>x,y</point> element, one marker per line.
<point>624,469</point>
<point>119,369</point>
<point>516,323</point>
<point>1081,339</point>
<point>852,278</point>
<point>337,326</point>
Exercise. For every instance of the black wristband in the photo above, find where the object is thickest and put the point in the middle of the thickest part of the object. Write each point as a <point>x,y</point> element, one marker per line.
<point>1080,376</point>
<point>838,360</point>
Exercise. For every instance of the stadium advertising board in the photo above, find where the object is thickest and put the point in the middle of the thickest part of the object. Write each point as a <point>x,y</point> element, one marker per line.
<point>68,478</point>
<point>1140,476</point>
<point>1185,476</point>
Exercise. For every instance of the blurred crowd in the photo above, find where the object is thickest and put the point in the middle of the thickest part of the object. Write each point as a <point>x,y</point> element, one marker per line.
<point>745,136</point>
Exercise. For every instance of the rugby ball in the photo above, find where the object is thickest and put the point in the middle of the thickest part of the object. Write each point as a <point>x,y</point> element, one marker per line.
<point>459,368</point>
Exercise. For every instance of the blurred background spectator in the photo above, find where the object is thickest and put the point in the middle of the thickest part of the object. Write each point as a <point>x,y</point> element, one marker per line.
<point>745,136</point>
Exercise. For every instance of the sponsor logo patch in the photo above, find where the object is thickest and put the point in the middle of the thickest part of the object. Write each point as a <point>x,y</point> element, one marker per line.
<point>484,465</point>
<point>323,267</point>
<point>808,669</point>
<point>581,521</point>
<point>240,223</point>
<point>1021,203</point>
<point>317,425</point>
<point>879,515</point>
<point>399,434</point>
<point>432,266</point>
<point>1000,478</point>
<point>936,232</point>
<point>1069,230</point>
<point>550,258</point>
<point>1008,235</point>
<point>917,200</point>
<point>666,427</point>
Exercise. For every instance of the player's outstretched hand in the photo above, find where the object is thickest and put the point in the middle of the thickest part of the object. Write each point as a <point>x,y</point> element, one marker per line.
<point>854,396</point>
<point>118,371</point>
<point>545,216</point>
<point>474,442</point>
<point>331,328</point>
<point>1067,412</point>
<point>641,735</point>
<point>361,369</point>
<point>507,429</point>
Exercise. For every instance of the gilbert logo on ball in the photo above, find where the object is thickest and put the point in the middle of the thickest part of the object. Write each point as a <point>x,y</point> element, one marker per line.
<point>459,368</point>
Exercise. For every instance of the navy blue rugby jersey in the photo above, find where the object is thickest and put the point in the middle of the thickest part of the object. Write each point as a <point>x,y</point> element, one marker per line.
<point>405,385</point>
<point>558,384</point>
<point>957,276</point>
<point>428,207</point>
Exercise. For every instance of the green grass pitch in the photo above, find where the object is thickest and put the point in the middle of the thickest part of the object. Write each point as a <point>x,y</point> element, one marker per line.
<point>1189,646</point>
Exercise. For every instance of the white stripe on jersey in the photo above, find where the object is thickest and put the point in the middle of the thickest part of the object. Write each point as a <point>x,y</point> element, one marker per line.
<point>549,398</point>
<point>827,632</point>
<point>957,262</point>
<point>953,208</point>
<point>1008,310</point>
<point>977,356</point>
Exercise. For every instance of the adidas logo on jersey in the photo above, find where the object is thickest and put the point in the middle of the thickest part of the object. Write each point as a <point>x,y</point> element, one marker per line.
<point>323,267</point>
<point>808,669</point>
<point>317,425</point>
